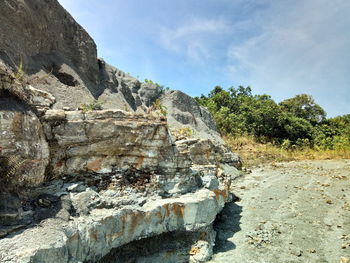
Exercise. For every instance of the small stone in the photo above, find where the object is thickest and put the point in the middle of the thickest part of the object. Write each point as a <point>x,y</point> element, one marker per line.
<point>55,115</point>
<point>76,187</point>
<point>43,202</point>
<point>296,252</point>
<point>344,260</point>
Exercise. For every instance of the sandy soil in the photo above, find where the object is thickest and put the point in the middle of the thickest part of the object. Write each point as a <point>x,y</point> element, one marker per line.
<point>288,212</point>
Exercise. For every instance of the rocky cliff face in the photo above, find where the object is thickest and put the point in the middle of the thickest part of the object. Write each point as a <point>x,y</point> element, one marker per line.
<point>44,37</point>
<point>59,57</point>
<point>91,185</point>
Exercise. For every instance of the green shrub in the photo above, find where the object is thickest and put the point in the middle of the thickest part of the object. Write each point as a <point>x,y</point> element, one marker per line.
<point>158,107</point>
<point>182,132</point>
<point>19,74</point>
<point>296,123</point>
<point>186,131</point>
<point>93,105</point>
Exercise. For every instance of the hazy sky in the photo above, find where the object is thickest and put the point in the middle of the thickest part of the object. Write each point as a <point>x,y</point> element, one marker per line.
<point>278,47</point>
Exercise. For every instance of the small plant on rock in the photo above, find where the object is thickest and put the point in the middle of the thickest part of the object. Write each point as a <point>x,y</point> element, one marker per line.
<point>186,132</point>
<point>158,107</point>
<point>19,74</point>
<point>93,105</point>
<point>182,133</point>
<point>149,81</point>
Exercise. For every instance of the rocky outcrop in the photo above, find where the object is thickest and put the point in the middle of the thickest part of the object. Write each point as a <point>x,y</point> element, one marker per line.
<point>184,111</point>
<point>24,151</point>
<point>42,36</point>
<point>85,185</point>
<point>111,177</point>
<point>114,141</point>
<point>90,238</point>
<point>55,54</point>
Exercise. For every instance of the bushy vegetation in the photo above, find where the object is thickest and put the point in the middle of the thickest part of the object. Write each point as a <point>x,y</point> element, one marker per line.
<point>182,133</point>
<point>161,87</point>
<point>157,106</point>
<point>93,105</point>
<point>295,123</point>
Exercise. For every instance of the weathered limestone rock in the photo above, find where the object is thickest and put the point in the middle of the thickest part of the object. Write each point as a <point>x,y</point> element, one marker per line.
<point>43,36</point>
<point>90,186</point>
<point>167,247</point>
<point>88,239</point>
<point>184,111</point>
<point>24,152</point>
<point>129,161</point>
<point>117,165</point>
<point>215,164</point>
<point>59,57</point>
<point>204,151</point>
<point>105,141</point>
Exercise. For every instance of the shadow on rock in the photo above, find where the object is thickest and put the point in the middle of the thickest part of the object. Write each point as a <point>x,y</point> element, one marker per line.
<point>17,214</point>
<point>172,247</point>
<point>226,224</point>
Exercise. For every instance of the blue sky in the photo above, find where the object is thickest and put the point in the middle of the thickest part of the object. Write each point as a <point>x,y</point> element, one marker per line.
<point>278,47</point>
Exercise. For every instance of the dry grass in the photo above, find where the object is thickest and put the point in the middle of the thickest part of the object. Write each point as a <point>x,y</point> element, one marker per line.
<point>254,153</point>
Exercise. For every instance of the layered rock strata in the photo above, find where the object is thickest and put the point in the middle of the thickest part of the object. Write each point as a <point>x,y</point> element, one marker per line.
<point>90,238</point>
<point>50,51</point>
<point>102,179</point>
<point>90,186</point>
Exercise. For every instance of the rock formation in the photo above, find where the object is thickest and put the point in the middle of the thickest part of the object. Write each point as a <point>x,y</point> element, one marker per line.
<point>86,185</point>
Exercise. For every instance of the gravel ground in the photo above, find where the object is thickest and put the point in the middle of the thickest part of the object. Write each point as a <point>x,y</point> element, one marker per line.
<point>288,212</point>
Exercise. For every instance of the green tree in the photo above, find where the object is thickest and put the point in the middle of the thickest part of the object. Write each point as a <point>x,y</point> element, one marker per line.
<point>295,122</point>
<point>238,112</point>
<point>304,106</point>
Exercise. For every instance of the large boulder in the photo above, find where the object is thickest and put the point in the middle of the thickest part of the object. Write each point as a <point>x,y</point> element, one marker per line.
<point>184,111</point>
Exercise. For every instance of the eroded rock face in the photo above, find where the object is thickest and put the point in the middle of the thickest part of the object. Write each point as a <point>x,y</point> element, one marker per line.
<point>167,247</point>
<point>56,55</point>
<point>42,35</point>
<point>90,238</point>
<point>98,141</point>
<point>86,186</point>
<point>108,141</point>
<point>123,179</point>
<point>24,152</point>
<point>205,151</point>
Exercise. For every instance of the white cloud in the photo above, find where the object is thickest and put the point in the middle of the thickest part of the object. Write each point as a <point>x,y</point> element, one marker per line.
<point>282,47</point>
<point>302,48</point>
<point>194,38</point>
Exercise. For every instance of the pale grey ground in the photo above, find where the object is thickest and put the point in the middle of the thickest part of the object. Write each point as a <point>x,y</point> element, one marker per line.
<point>289,212</point>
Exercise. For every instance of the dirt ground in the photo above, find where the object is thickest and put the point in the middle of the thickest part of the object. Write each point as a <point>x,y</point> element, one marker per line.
<point>288,212</point>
